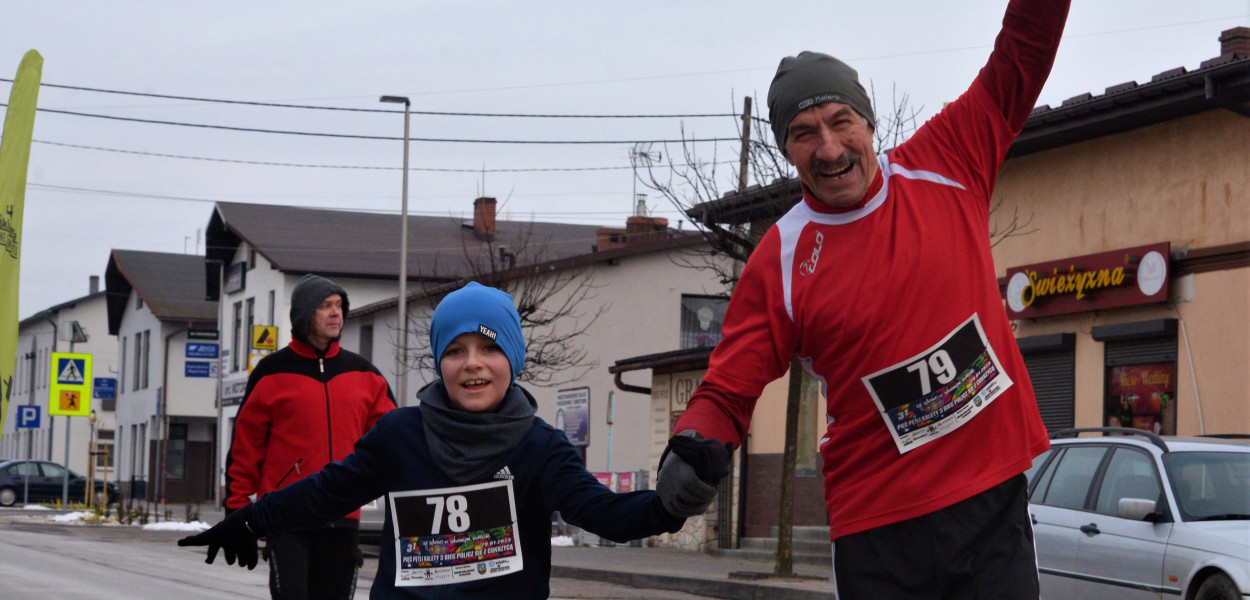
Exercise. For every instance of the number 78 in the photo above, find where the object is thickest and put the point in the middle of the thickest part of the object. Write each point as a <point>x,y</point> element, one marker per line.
<point>457,513</point>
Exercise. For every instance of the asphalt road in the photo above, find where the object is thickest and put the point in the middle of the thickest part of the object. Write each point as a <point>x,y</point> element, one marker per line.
<point>39,560</point>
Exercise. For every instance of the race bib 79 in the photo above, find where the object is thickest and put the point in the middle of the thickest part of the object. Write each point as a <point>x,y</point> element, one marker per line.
<point>939,390</point>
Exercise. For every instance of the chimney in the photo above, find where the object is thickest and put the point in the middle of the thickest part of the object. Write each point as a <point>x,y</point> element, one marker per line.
<point>484,216</point>
<point>1235,41</point>
<point>95,284</point>
<point>640,230</point>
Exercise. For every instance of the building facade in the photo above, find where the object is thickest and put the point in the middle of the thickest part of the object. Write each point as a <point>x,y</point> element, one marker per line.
<point>167,375</point>
<point>77,326</point>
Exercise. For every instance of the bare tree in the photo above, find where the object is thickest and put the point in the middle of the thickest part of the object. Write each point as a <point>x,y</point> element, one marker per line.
<point>555,299</point>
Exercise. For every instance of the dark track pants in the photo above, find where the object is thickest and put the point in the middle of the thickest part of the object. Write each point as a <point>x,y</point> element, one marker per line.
<point>313,565</point>
<point>978,549</point>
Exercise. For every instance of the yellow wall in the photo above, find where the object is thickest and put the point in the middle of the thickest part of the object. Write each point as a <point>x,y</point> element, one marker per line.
<point>1185,181</point>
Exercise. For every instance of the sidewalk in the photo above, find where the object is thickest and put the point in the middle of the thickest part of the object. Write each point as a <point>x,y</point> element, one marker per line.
<point>689,572</point>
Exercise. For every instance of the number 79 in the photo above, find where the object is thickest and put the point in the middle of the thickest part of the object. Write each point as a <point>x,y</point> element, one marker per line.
<point>939,364</point>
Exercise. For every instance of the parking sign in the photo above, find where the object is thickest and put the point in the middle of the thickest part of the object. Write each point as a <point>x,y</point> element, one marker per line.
<point>28,416</point>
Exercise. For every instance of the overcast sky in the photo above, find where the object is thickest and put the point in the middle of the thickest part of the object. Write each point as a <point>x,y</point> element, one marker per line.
<point>95,184</point>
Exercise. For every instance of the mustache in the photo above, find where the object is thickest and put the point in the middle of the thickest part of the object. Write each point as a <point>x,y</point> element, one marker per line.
<point>848,158</point>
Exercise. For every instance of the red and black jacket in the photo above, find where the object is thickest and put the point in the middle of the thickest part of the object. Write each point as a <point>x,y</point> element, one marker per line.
<point>302,410</point>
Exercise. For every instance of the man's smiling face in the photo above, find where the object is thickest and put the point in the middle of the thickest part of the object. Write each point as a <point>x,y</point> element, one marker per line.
<point>831,145</point>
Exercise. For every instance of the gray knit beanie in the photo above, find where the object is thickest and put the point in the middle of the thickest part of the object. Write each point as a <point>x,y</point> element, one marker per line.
<point>809,79</point>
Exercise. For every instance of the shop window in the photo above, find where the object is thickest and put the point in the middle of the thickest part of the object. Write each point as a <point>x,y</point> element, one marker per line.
<point>1140,381</point>
<point>1142,397</point>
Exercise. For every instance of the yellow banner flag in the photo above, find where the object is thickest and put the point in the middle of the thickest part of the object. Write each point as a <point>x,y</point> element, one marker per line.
<point>19,125</point>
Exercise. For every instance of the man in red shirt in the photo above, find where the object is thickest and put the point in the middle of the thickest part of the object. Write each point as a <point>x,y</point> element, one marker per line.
<point>882,282</point>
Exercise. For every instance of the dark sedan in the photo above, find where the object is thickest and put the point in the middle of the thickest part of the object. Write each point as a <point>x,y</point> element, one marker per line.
<point>31,481</point>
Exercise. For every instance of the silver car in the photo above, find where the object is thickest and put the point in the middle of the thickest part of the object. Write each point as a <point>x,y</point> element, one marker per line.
<point>1130,514</point>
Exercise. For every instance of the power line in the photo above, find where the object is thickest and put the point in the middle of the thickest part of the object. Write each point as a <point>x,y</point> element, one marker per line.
<point>346,167</point>
<point>375,137</point>
<point>376,110</point>
<point>169,197</point>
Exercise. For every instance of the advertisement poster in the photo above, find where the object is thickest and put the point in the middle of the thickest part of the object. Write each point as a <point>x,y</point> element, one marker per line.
<point>573,415</point>
<point>1142,397</point>
<point>455,535</point>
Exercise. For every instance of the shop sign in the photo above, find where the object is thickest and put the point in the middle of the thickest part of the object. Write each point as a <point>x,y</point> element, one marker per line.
<point>1115,279</point>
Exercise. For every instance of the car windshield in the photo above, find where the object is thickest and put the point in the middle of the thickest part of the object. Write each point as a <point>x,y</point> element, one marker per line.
<point>1210,486</point>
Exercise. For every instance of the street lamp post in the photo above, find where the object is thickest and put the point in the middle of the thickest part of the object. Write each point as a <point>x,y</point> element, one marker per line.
<point>402,356</point>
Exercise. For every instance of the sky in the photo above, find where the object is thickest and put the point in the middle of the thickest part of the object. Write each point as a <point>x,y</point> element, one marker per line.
<point>97,183</point>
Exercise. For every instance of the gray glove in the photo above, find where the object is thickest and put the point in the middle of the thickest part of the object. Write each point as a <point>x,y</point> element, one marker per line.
<point>689,472</point>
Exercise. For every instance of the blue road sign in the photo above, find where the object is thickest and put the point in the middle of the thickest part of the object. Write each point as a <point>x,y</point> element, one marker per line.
<point>198,368</point>
<point>201,350</point>
<point>104,388</point>
<point>69,371</point>
<point>28,416</point>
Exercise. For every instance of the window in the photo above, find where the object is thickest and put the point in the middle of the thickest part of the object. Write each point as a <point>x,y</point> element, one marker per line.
<point>235,348</point>
<point>176,459</point>
<point>1130,474</point>
<point>147,343</point>
<point>251,258</point>
<point>134,385</point>
<point>104,448</point>
<point>272,306</point>
<point>1069,485</point>
<point>1038,462</point>
<point>138,301</point>
<point>366,342</point>
<point>121,372</point>
<point>1210,484</point>
<point>52,470</point>
<point>249,320</point>
<point>1143,397</point>
<point>701,318</point>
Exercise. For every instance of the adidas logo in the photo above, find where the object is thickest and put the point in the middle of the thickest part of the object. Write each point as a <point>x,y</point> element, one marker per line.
<point>504,473</point>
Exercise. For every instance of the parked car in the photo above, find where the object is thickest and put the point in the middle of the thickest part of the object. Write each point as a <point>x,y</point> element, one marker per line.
<point>1130,514</point>
<point>33,481</point>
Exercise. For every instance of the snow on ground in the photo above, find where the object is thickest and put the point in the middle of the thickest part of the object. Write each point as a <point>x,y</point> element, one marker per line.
<point>176,526</point>
<point>561,540</point>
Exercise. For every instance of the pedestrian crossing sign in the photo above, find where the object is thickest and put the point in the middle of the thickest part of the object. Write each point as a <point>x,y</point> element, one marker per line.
<point>264,337</point>
<point>70,392</point>
<point>70,371</point>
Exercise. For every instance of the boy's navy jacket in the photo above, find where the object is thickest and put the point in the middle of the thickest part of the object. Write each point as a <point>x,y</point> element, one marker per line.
<point>547,475</point>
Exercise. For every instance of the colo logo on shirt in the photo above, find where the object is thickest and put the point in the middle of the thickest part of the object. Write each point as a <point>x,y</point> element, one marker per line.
<point>808,266</point>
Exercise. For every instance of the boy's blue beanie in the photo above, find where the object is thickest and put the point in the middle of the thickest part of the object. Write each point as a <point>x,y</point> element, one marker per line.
<point>485,311</point>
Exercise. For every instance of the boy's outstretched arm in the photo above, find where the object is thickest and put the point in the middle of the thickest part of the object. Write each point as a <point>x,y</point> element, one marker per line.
<point>235,535</point>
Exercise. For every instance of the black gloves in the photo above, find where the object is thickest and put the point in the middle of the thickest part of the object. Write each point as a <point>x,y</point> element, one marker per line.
<point>690,469</point>
<point>236,535</point>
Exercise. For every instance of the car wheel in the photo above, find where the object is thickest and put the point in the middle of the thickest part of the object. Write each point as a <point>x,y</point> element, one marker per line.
<point>8,496</point>
<point>1218,587</point>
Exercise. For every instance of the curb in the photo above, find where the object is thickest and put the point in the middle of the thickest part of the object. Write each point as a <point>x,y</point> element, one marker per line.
<point>715,588</point>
